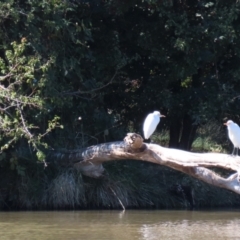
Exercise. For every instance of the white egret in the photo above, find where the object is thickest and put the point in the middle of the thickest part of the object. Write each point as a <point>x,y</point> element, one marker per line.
<point>151,123</point>
<point>233,134</point>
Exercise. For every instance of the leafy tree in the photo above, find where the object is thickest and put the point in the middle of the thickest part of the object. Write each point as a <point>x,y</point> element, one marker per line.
<point>187,57</point>
<point>109,63</point>
<point>76,73</point>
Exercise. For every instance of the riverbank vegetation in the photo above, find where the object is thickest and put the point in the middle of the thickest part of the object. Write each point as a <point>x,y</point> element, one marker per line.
<point>77,73</point>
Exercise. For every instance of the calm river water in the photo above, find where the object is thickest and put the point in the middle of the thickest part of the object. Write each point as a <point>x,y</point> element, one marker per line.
<point>111,225</point>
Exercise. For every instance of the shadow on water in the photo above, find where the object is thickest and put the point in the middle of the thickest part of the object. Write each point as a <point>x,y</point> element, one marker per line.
<point>133,224</point>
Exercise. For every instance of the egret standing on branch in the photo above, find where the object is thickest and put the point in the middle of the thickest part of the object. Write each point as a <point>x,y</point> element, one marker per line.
<point>233,134</point>
<point>151,123</point>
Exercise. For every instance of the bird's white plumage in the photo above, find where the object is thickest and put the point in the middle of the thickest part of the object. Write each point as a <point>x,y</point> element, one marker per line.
<point>150,123</point>
<point>233,133</point>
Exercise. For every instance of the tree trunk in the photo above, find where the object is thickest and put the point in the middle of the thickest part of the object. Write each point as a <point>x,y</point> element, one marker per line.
<point>182,133</point>
<point>89,160</point>
<point>188,133</point>
<point>175,130</point>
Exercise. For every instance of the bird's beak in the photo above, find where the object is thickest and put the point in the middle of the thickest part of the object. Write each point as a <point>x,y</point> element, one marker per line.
<point>225,124</point>
<point>162,116</point>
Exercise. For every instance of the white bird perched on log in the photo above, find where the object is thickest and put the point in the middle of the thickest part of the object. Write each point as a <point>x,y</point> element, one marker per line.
<point>233,134</point>
<point>150,123</point>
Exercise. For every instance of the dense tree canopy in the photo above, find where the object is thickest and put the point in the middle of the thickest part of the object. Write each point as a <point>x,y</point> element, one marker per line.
<point>80,72</point>
<point>111,62</point>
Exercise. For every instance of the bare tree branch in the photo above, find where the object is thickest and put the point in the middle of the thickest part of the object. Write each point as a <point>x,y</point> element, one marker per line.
<point>89,160</point>
<point>2,78</point>
<point>23,122</point>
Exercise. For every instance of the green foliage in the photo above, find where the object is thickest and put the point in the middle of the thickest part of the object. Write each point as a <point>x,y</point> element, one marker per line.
<point>77,73</point>
<point>64,60</point>
<point>187,61</point>
<point>125,184</point>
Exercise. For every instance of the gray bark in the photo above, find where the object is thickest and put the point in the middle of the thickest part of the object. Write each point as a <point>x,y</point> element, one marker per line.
<point>89,160</point>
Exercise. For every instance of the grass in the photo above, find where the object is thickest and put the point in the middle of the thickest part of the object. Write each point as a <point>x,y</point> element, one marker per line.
<point>210,137</point>
<point>126,184</point>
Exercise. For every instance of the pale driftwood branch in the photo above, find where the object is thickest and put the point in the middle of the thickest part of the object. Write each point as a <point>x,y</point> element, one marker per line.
<point>90,160</point>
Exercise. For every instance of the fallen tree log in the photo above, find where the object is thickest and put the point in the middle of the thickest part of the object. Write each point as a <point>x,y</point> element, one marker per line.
<point>89,160</point>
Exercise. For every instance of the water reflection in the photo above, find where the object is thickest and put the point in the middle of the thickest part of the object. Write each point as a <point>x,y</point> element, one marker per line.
<point>144,225</point>
<point>194,225</point>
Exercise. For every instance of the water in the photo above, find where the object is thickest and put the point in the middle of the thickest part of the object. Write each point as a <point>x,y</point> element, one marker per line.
<point>111,225</point>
